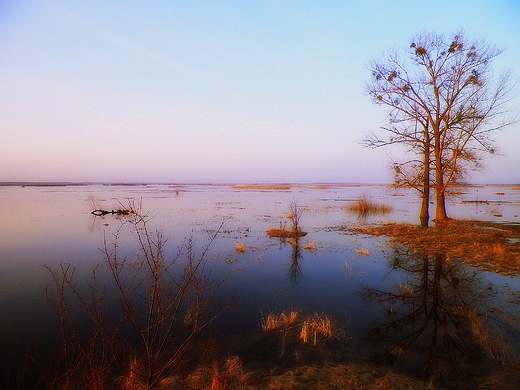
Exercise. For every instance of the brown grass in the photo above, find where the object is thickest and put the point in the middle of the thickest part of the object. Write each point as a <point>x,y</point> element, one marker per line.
<point>311,246</point>
<point>240,248</point>
<point>316,327</point>
<point>282,233</point>
<point>363,206</point>
<point>313,328</point>
<point>282,321</point>
<point>491,246</point>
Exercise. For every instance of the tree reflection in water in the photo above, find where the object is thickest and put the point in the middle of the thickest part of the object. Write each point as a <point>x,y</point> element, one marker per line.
<point>295,266</point>
<point>434,324</point>
<point>295,263</point>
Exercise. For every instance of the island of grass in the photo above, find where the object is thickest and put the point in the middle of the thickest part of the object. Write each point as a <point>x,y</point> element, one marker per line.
<point>491,246</point>
<point>282,233</point>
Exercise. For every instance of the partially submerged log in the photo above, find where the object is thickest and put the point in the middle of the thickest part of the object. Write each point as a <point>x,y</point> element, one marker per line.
<point>101,212</point>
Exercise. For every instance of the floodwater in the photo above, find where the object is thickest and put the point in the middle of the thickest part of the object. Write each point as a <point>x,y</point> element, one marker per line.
<point>373,291</point>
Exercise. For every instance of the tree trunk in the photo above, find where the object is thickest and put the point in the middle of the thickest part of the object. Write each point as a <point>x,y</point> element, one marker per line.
<point>425,204</point>
<point>440,200</point>
<point>424,216</point>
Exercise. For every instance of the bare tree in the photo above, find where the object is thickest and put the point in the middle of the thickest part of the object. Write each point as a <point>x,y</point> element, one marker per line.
<point>444,107</point>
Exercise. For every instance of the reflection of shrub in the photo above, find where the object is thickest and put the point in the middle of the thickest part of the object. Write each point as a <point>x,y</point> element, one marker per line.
<point>162,306</point>
<point>363,206</point>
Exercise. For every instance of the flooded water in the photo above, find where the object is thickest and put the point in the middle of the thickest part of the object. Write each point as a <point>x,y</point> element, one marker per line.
<point>388,305</point>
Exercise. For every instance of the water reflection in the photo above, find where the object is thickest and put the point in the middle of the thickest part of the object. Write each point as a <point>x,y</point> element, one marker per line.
<point>295,266</point>
<point>434,324</point>
<point>295,263</point>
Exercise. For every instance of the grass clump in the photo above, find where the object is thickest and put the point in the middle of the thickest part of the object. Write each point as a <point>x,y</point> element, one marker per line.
<point>311,329</point>
<point>294,232</point>
<point>282,233</point>
<point>240,248</point>
<point>316,326</point>
<point>364,207</point>
<point>282,321</point>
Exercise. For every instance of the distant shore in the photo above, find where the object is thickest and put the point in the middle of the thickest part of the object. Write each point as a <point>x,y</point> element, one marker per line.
<point>247,186</point>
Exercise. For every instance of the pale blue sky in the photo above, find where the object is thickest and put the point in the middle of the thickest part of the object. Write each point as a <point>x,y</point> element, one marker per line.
<point>216,91</point>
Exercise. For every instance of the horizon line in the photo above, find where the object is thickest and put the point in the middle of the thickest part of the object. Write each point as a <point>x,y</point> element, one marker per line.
<point>44,183</point>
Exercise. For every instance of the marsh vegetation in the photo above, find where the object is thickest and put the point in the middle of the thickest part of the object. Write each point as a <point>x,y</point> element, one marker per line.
<point>364,207</point>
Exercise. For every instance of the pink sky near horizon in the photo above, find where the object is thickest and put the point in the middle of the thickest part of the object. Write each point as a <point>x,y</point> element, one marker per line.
<point>231,92</point>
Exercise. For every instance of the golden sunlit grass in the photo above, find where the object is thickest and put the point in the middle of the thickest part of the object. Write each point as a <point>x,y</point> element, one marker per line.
<point>240,248</point>
<point>363,251</point>
<point>282,321</point>
<point>316,327</point>
<point>313,328</point>
<point>311,246</point>
<point>295,232</point>
<point>481,244</point>
<point>363,206</point>
<point>282,233</point>
<point>131,380</point>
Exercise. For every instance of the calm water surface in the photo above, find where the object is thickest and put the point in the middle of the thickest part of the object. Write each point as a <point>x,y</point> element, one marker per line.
<point>355,279</point>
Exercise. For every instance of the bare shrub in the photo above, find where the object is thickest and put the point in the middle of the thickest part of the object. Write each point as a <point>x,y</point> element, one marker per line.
<point>161,306</point>
<point>295,232</point>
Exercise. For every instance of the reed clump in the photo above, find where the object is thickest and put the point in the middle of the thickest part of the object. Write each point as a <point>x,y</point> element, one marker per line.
<point>364,207</point>
<point>311,329</point>
<point>316,327</point>
<point>282,321</point>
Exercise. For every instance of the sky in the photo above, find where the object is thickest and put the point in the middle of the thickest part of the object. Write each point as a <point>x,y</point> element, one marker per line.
<point>189,91</point>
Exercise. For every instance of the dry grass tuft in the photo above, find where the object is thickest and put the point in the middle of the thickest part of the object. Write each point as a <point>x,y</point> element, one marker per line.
<point>240,248</point>
<point>311,246</point>
<point>131,380</point>
<point>362,251</point>
<point>228,376</point>
<point>295,232</point>
<point>316,326</point>
<point>280,322</point>
<point>364,207</point>
<point>282,233</point>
